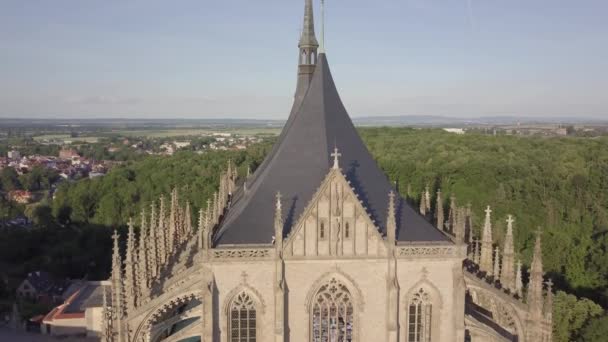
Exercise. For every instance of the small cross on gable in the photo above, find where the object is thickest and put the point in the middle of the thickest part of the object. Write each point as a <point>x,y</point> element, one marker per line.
<point>336,156</point>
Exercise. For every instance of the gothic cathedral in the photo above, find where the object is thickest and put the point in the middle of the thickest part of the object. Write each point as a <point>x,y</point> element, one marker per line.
<point>317,245</point>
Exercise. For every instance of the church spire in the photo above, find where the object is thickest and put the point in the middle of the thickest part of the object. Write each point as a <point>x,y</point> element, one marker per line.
<point>308,40</point>
<point>307,59</point>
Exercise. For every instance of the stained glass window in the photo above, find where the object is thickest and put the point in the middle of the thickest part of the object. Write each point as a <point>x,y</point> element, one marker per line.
<point>419,317</point>
<point>242,319</point>
<point>332,314</point>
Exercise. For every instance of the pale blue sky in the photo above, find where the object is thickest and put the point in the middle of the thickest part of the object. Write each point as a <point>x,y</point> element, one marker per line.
<point>237,58</point>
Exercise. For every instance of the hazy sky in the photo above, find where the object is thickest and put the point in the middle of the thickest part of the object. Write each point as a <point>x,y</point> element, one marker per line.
<point>237,58</point>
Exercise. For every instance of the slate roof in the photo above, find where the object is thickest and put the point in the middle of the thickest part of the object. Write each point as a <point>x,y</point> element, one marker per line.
<point>299,162</point>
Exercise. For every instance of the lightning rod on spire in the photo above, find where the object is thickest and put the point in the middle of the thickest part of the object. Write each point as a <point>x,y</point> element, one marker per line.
<point>322,47</point>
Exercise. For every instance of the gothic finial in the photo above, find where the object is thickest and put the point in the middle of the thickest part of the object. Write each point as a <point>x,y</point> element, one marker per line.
<point>336,156</point>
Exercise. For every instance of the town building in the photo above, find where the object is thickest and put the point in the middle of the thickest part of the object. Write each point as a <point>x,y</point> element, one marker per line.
<point>14,155</point>
<point>42,287</point>
<point>81,312</point>
<point>317,245</point>
<point>68,153</point>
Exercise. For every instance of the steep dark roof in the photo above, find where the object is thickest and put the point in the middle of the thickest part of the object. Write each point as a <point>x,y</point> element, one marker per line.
<point>298,164</point>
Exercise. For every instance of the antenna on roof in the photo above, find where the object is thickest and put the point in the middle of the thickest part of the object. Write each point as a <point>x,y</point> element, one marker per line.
<point>322,47</point>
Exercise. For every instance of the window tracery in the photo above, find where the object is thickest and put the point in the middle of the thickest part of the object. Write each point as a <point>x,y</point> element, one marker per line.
<point>419,317</point>
<point>242,319</point>
<point>332,315</point>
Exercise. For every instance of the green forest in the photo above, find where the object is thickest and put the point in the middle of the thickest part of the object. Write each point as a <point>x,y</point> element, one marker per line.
<point>557,184</point>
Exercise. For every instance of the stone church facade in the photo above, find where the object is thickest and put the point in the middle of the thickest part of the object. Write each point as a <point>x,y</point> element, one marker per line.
<point>316,245</point>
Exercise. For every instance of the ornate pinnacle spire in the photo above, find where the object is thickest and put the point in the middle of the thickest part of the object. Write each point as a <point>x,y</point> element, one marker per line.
<point>208,224</point>
<point>163,250</point>
<point>423,207</point>
<point>278,223</point>
<point>469,223</point>
<point>173,224</point>
<point>106,327</point>
<point>496,263</point>
<point>391,225</point>
<point>427,198</point>
<point>153,242</point>
<point>117,288</point>
<point>202,234</point>
<point>142,261</point>
<point>439,211</point>
<point>476,256</point>
<point>535,287</point>
<point>486,244</point>
<point>452,213</point>
<point>460,223</point>
<point>130,271</point>
<point>519,283</point>
<point>216,209</point>
<point>188,221</point>
<point>507,277</point>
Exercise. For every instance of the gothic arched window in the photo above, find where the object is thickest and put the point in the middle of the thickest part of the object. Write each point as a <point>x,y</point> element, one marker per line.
<point>346,230</point>
<point>322,231</point>
<point>332,311</point>
<point>242,320</point>
<point>419,317</point>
